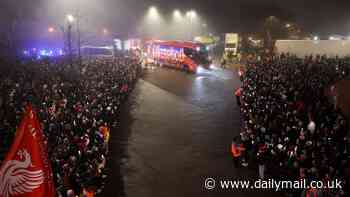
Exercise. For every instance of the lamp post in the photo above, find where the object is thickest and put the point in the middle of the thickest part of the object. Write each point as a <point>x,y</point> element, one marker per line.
<point>153,22</point>
<point>179,25</point>
<point>191,16</point>
<point>204,29</point>
<point>70,19</point>
<point>78,40</point>
<point>78,32</point>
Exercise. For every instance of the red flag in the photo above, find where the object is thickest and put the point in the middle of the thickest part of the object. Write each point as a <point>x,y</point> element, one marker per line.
<point>26,170</point>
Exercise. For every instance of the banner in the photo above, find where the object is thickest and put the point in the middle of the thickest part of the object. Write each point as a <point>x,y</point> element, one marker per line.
<point>26,170</point>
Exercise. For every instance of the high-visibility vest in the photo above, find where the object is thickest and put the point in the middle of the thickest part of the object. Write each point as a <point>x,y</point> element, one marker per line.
<point>235,151</point>
<point>312,192</point>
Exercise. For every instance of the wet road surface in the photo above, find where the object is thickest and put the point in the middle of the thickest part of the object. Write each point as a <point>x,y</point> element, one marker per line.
<point>176,131</point>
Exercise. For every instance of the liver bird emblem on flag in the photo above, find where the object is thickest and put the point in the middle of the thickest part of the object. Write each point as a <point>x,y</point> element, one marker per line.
<point>16,178</point>
<point>26,170</point>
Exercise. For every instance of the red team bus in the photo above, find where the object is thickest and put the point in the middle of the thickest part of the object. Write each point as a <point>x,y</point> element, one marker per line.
<point>182,55</point>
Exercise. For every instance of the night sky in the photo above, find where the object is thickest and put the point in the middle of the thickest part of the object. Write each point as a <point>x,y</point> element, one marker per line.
<point>123,16</point>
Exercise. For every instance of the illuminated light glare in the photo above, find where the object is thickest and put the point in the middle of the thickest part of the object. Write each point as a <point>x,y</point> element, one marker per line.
<point>334,38</point>
<point>191,14</point>
<point>198,48</point>
<point>177,14</point>
<point>200,77</point>
<point>70,18</point>
<point>153,13</point>
<point>42,52</point>
<point>153,9</point>
<point>316,38</point>
<point>51,29</point>
<point>105,31</point>
<point>288,25</point>
<point>118,44</point>
<point>199,71</point>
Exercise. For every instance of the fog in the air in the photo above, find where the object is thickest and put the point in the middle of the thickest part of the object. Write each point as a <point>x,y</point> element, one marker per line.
<point>106,18</point>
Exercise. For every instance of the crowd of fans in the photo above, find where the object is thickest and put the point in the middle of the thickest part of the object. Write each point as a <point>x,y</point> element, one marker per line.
<point>77,106</point>
<point>290,126</point>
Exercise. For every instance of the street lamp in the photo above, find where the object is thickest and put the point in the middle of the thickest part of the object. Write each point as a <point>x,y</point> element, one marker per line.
<point>70,18</point>
<point>153,9</point>
<point>153,13</point>
<point>153,21</point>
<point>191,14</point>
<point>177,14</point>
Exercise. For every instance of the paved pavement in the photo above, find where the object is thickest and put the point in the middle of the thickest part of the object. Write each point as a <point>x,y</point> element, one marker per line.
<point>176,131</point>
